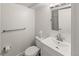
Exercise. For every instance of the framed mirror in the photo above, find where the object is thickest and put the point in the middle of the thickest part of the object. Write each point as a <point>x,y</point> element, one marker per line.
<point>61,17</point>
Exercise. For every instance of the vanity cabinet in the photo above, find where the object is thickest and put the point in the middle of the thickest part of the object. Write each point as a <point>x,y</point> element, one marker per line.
<point>45,50</point>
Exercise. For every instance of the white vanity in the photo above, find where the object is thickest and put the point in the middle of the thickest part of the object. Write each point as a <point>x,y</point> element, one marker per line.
<point>52,47</point>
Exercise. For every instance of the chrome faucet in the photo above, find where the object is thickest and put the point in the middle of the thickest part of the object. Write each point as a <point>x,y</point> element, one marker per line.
<point>59,37</point>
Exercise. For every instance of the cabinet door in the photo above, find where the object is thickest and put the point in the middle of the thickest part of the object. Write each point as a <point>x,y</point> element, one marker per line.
<point>47,51</point>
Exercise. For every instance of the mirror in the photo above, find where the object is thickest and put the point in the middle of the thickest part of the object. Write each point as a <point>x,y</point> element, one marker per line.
<point>64,19</point>
<point>61,18</point>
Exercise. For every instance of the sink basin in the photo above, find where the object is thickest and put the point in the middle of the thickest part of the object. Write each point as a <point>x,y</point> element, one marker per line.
<point>62,47</point>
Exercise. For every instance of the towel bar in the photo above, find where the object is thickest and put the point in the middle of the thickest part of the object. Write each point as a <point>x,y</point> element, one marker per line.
<point>13,30</point>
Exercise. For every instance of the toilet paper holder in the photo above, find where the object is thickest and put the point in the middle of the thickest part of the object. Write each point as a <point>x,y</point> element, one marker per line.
<point>5,49</point>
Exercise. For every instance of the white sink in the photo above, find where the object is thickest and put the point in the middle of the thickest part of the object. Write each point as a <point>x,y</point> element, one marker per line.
<point>62,47</point>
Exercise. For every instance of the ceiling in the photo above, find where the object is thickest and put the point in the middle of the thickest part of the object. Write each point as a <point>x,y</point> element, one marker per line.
<point>37,5</point>
<point>29,5</point>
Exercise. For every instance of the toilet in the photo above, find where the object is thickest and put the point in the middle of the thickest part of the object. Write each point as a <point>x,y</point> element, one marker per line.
<point>32,51</point>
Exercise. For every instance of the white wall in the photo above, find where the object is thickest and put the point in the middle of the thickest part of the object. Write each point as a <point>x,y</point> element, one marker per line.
<point>14,16</point>
<point>75,29</point>
<point>42,19</point>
